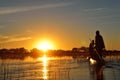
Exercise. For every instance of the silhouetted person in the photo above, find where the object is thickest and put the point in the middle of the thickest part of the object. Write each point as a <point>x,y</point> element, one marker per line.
<point>99,43</point>
<point>91,49</point>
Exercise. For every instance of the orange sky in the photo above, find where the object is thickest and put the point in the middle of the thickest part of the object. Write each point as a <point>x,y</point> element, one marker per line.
<point>66,23</point>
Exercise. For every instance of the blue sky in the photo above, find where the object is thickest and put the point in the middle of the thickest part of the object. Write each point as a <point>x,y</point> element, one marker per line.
<point>68,23</point>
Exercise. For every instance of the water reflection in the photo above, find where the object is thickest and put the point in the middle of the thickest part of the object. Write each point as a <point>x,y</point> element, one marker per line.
<point>62,68</point>
<point>44,59</point>
<point>96,70</point>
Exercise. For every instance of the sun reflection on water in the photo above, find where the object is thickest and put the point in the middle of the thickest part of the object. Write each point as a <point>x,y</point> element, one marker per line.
<point>46,66</point>
<point>44,59</point>
<point>92,61</point>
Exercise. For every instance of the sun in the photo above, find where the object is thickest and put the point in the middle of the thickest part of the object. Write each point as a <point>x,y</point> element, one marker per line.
<point>45,45</point>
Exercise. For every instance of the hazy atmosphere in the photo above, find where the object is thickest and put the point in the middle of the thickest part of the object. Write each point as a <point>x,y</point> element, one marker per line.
<point>64,23</point>
<point>59,40</point>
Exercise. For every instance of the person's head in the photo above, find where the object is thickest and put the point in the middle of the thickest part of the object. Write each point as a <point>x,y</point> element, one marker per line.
<point>97,32</point>
<point>92,41</point>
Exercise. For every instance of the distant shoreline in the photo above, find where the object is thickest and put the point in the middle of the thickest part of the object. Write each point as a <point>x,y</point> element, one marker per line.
<point>22,53</point>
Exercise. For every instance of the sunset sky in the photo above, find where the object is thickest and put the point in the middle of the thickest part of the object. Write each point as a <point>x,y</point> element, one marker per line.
<point>65,23</point>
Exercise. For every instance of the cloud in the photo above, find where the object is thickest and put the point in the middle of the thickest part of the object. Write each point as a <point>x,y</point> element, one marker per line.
<point>6,39</point>
<point>95,9</point>
<point>9,10</point>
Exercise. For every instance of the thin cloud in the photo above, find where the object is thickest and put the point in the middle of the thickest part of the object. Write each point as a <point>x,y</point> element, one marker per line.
<point>29,8</point>
<point>6,39</point>
<point>96,9</point>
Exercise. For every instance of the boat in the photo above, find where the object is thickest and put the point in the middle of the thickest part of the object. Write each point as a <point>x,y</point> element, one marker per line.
<point>98,61</point>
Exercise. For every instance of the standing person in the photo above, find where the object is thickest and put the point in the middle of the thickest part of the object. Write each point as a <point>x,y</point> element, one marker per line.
<point>100,46</point>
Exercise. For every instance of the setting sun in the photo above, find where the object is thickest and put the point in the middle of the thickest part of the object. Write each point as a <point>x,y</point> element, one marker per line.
<point>45,45</point>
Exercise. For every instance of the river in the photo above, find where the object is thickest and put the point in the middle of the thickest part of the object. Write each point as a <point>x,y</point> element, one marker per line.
<point>57,68</point>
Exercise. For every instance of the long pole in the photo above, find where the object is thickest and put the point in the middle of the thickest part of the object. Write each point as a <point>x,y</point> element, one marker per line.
<point>97,52</point>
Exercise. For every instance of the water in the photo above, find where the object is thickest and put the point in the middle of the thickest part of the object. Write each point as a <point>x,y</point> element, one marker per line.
<point>62,68</point>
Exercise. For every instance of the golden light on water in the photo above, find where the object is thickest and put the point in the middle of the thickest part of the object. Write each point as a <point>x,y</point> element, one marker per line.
<point>44,59</point>
<point>92,61</point>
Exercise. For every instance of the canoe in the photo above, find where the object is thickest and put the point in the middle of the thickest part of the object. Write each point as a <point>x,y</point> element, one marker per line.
<point>99,62</point>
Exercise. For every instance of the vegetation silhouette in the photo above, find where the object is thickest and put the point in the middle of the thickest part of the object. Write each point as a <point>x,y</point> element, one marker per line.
<point>22,53</point>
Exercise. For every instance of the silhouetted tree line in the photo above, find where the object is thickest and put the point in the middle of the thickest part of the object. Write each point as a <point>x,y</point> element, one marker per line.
<point>18,53</point>
<point>21,53</point>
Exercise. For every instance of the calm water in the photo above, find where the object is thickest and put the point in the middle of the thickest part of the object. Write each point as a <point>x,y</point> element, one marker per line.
<point>62,68</point>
